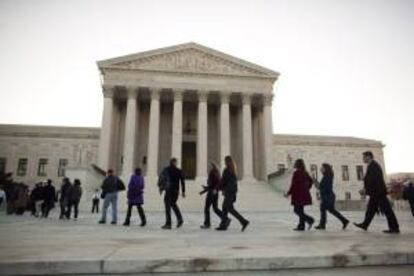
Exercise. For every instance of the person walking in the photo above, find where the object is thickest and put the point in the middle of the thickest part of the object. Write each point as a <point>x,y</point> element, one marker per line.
<point>228,185</point>
<point>110,188</point>
<point>135,197</point>
<point>74,197</point>
<point>172,176</point>
<point>49,196</point>
<point>408,194</point>
<point>328,197</point>
<point>300,194</point>
<point>212,189</point>
<point>375,188</point>
<point>36,198</point>
<point>95,201</point>
<point>63,197</point>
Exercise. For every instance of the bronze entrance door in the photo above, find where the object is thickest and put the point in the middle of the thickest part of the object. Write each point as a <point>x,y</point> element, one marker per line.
<point>188,162</point>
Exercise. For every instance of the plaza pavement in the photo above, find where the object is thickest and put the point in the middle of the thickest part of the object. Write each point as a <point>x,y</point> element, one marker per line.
<point>32,246</point>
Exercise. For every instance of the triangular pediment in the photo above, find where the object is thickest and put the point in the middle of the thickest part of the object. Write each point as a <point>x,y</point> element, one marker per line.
<point>188,58</point>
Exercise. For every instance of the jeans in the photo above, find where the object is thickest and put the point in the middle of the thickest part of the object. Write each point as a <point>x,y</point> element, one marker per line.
<point>300,212</point>
<point>211,200</point>
<point>140,212</point>
<point>110,198</point>
<point>170,201</point>
<point>228,207</point>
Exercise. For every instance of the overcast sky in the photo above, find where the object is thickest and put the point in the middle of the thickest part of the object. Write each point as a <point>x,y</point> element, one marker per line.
<point>347,67</point>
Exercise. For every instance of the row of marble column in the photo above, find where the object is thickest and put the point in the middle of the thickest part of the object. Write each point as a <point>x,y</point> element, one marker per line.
<point>176,145</point>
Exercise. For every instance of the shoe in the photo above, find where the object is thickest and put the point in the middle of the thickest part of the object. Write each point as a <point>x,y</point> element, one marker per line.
<point>244,225</point>
<point>392,231</point>
<point>113,222</point>
<point>221,228</point>
<point>310,224</point>
<point>102,222</point>
<point>345,225</point>
<point>180,223</point>
<point>205,226</point>
<point>320,227</point>
<point>143,224</point>
<point>166,226</point>
<point>126,223</point>
<point>299,229</point>
<point>228,223</point>
<point>361,226</point>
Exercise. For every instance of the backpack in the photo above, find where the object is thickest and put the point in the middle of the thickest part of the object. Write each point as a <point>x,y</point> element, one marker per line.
<point>164,180</point>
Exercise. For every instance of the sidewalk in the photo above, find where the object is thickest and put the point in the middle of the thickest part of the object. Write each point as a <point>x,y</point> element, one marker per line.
<point>50,246</point>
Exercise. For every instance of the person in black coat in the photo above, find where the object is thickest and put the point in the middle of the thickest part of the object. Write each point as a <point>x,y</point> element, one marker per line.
<point>408,194</point>
<point>175,176</point>
<point>375,188</point>
<point>229,188</point>
<point>328,198</point>
<point>63,198</point>
<point>74,196</point>
<point>211,190</point>
<point>49,196</point>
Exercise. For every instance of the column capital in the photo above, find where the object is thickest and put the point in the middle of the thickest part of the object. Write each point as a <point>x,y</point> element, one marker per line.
<point>132,92</point>
<point>246,99</point>
<point>202,95</point>
<point>267,99</point>
<point>178,95</point>
<point>155,93</point>
<point>224,97</point>
<point>108,91</point>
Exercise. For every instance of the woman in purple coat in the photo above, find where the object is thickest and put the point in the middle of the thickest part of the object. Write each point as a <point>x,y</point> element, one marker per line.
<point>135,197</point>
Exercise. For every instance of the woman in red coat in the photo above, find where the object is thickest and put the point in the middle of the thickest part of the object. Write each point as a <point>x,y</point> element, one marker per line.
<point>300,195</point>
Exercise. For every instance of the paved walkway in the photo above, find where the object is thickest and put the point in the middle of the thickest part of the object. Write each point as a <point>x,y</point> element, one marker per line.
<point>49,246</point>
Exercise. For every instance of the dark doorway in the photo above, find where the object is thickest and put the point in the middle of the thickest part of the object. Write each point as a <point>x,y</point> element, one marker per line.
<point>188,163</point>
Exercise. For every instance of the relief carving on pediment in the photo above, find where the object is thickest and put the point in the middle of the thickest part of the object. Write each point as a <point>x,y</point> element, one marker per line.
<point>189,60</point>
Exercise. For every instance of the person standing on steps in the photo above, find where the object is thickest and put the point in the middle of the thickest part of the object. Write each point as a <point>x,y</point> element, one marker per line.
<point>110,188</point>
<point>172,176</point>
<point>212,190</point>
<point>408,194</point>
<point>375,188</point>
<point>74,196</point>
<point>49,196</point>
<point>300,195</point>
<point>63,197</point>
<point>228,185</point>
<point>328,197</point>
<point>135,197</point>
<point>95,201</point>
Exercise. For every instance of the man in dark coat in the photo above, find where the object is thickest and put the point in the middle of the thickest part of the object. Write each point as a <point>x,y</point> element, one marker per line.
<point>36,198</point>
<point>49,196</point>
<point>63,199</point>
<point>408,194</point>
<point>375,188</point>
<point>175,176</point>
<point>110,188</point>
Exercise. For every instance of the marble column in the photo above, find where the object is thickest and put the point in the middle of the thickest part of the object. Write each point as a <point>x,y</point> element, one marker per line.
<point>202,153</point>
<point>247,138</point>
<point>267,134</point>
<point>130,132</point>
<point>177,126</point>
<point>224,128</point>
<point>153,137</point>
<point>105,143</point>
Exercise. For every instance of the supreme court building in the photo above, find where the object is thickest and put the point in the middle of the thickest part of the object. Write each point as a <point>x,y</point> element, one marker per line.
<point>189,102</point>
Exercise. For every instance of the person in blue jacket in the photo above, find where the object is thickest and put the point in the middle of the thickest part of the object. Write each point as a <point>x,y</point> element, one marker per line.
<point>328,197</point>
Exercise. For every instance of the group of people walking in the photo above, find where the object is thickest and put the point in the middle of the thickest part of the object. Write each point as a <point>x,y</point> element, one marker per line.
<point>170,182</point>
<point>374,186</point>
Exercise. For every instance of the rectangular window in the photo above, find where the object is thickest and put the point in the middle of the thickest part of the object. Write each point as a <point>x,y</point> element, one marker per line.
<point>22,167</point>
<point>281,167</point>
<point>360,172</point>
<point>345,173</point>
<point>314,171</point>
<point>62,167</point>
<point>3,162</point>
<point>42,169</point>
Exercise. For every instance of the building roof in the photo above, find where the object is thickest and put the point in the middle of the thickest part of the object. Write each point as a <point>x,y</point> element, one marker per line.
<point>319,140</point>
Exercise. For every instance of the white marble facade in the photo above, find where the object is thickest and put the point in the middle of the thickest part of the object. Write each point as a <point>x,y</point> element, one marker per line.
<point>189,102</point>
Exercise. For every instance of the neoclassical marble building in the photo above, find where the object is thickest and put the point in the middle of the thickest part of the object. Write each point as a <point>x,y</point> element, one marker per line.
<point>186,101</point>
<point>189,102</point>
